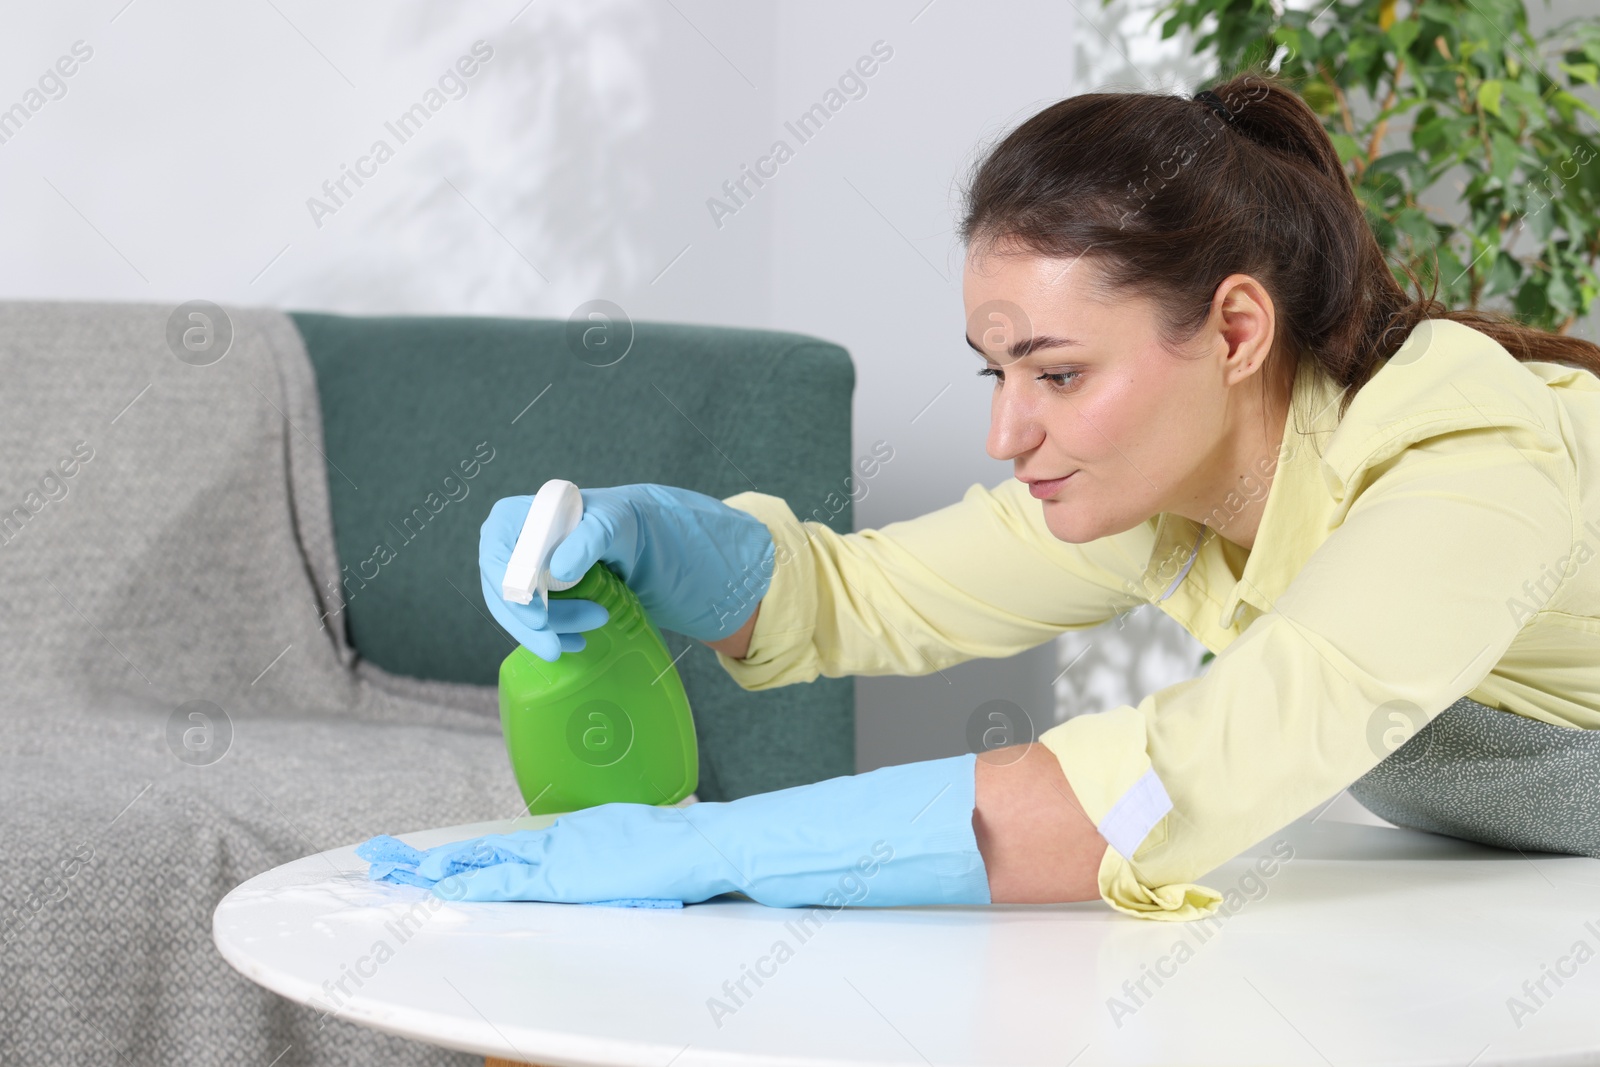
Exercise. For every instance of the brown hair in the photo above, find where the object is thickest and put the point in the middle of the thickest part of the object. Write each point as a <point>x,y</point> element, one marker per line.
<point>1167,200</point>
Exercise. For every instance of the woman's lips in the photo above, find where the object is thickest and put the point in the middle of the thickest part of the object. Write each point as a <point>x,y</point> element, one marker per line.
<point>1044,490</point>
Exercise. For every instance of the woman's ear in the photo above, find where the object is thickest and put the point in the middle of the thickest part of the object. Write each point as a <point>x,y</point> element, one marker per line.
<point>1246,323</point>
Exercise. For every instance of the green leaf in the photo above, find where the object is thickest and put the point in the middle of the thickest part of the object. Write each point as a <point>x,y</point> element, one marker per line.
<point>1347,147</point>
<point>1297,44</point>
<point>1540,214</point>
<point>1414,223</point>
<point>1437,11</point>
<point>1528,98</point>
<point>1489,96</point>
<point>1502,275</point>
<point>1384,231</point>
<point>1564,103</point>
<point>1588,73</point>
<point>1559,293</point>
<point>1530,303</point>
<point>1402,33</point>
<point>1507,154</point>
<point>1451,270</point>
<point>1395,162</point>
<point>1430,134</point>
<point>1572,222</point>
<point>1318,96</point>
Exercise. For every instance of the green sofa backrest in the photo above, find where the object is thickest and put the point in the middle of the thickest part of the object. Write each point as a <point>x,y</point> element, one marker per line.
<point>428,420</point>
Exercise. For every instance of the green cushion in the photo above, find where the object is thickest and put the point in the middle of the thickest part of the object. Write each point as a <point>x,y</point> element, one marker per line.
<point>413,405</point>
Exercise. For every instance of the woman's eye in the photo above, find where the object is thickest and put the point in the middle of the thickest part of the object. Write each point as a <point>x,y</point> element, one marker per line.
<point>1059,380</point>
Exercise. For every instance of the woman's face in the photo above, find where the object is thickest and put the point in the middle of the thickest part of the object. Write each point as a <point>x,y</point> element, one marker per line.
<point>1085,391</point>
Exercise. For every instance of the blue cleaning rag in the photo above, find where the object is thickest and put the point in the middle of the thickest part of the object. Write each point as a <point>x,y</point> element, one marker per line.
<point>395,862</point>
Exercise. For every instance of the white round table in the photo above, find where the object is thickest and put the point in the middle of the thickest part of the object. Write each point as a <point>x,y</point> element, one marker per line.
<point>1350,942</point>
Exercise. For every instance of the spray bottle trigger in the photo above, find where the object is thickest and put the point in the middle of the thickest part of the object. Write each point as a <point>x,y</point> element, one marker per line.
<point>554,514</point>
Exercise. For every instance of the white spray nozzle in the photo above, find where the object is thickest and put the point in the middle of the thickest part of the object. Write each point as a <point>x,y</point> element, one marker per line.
<point>555,512</point>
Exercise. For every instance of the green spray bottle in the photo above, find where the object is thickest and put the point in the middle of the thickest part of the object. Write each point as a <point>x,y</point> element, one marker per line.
<point>608,723</point>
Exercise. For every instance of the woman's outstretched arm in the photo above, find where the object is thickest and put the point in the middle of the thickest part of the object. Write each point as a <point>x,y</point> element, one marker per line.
<point>981,578</point>
<point>1038,845</point>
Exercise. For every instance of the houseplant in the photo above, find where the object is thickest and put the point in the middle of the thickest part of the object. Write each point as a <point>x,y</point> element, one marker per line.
<point>1412,93</point>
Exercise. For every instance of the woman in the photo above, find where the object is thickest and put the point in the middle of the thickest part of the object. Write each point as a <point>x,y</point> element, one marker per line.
<point>1217,399</point>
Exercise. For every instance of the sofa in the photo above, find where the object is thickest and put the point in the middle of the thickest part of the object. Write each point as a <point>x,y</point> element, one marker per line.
<point>245,623</point>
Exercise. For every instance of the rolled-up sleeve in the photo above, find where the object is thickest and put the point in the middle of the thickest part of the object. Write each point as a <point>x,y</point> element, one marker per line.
<point>983,577</point>
<point>1406,606</point>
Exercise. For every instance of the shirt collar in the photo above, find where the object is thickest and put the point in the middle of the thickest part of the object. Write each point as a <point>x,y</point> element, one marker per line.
<point>1294,521</point>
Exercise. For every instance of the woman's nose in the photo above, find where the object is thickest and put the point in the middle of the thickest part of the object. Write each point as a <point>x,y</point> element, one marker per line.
<point>1014,426</point>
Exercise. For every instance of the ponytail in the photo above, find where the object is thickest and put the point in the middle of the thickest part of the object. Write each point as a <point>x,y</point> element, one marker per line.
<point>1171,195</point>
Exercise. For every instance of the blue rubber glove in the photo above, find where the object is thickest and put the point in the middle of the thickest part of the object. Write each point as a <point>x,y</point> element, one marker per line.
<point>697,565</point>
<point>394,861</point>
<point>545,634</point>
<point>893,836</point>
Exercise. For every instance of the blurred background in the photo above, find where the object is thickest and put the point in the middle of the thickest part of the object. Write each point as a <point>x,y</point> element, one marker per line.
<point>198,149</point>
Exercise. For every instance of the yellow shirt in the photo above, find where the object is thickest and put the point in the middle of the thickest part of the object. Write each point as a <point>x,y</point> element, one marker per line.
<point>1435,543</point>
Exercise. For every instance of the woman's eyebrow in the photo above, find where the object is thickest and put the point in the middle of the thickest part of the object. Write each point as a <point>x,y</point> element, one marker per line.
<point>1025,345</point>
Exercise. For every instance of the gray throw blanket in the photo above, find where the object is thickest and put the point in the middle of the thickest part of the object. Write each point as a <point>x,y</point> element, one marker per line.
<point>176,717</point>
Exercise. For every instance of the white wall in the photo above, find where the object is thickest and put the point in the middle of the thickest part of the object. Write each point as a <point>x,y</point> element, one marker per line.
<point>573,167</point>
<point>578,164</point>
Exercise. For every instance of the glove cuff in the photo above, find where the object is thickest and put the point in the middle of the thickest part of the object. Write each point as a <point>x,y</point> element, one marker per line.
<point>893,836</point>
<point>936,858</point>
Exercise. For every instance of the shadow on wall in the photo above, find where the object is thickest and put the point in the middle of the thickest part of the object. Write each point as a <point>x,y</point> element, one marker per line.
<point>1120,51</point>
<point>1122,662</point>
<point>562,99</point>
